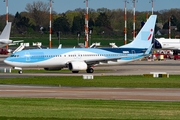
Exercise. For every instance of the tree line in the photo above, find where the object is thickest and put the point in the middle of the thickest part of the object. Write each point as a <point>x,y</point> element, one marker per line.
<point>35,20</point>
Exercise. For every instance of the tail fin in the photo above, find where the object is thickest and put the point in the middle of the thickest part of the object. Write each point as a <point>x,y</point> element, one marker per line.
<point>145,36</point>
<point>6,32</point>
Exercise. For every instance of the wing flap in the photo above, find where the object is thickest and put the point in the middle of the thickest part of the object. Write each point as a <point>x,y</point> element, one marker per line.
<point>98,61</point>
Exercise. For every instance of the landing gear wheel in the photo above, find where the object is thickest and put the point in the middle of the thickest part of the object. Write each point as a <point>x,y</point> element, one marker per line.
<point>90,70</point>
<point>75,71</point>
<point>20,71</point>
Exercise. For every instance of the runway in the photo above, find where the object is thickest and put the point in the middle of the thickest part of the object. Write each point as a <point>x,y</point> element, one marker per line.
<point>137,94</point>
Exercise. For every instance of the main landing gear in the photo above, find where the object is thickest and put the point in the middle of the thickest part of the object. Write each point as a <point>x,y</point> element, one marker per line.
<point>90,70</point>
<point>20,72</point>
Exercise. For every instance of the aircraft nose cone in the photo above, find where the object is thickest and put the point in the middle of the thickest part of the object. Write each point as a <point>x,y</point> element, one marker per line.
<point>7,62</point>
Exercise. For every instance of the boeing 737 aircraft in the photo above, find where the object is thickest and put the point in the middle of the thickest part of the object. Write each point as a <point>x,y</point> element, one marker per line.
<point>4,37</point>
<point>77,59</point>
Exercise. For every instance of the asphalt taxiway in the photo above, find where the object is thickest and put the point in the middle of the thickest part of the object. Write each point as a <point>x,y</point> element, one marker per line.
<point>132,68</point>
<point>139,94</point>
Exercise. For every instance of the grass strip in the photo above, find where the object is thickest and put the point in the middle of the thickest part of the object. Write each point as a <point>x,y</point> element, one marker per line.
<point>135,81</point>
<point>40,109</point>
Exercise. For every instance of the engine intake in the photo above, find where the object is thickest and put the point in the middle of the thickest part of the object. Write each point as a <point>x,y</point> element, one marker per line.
<point>77,65</point>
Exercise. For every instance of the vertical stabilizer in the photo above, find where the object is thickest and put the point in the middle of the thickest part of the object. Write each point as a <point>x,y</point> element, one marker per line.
<point>145,36</point>
<point>6,32</point>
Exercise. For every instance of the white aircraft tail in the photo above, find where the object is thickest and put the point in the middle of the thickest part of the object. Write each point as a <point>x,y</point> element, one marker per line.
<point>145,36</point>
<point>6,32</point>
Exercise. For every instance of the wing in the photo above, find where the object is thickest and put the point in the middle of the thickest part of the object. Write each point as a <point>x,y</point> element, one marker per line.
<point>104,60</point>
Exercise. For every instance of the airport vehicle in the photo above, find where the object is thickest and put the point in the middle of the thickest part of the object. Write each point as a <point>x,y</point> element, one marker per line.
<point>4,37</point>
<point>76,59</point>
<point>3,51</point>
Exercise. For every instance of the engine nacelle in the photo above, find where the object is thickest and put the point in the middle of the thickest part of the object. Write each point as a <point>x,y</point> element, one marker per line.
<point>52,69</point>
<point>77,65</point>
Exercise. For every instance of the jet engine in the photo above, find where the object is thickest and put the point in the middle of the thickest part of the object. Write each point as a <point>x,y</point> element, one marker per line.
<point>77,65</point>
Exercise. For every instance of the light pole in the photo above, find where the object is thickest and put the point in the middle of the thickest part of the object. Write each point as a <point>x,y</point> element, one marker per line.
<point>6,15</point>
<point>86,26</point>
<point>125,22</point>
<point>6,10</point>
<point>50,26</point>
<point>169,27</point>
<point>134,19</point>
<point>152,1</point>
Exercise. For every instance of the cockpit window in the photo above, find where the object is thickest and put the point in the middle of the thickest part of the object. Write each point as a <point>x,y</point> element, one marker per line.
<point>14,55</point>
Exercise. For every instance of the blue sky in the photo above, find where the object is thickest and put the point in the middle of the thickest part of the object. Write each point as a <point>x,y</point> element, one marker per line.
<point>63,5</point>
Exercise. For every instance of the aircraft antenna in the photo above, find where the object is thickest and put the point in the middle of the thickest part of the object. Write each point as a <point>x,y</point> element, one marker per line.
<point>125,22</point>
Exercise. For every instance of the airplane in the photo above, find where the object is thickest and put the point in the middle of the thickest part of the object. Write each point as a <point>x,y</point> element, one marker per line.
<point>167,44</point>
<point>77,59</point>
<point>4,37</point>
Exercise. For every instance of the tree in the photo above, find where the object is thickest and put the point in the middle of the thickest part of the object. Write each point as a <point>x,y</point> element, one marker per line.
<point>21,23</point>
<point>39,11</point>
<point>78,23</point>
<point>61,24</point>
<point>173,21</point>
<point>103,21</point>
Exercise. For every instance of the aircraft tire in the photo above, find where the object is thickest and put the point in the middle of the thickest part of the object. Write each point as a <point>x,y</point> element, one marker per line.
<point>20,71</point>
<point>90,70</point>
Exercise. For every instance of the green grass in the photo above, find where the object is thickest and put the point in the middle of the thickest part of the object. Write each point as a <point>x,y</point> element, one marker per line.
<point>99,81</point>
<point>78,109</point>
<point>40,109</point>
